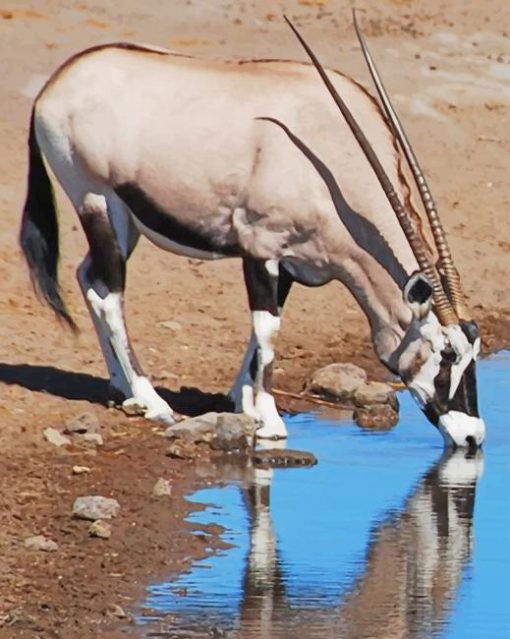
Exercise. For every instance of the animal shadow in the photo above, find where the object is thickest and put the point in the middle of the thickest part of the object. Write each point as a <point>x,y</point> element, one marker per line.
<point>84,387</point>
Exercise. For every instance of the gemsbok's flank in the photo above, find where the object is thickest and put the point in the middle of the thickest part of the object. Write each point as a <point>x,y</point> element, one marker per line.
<point>293,168</point>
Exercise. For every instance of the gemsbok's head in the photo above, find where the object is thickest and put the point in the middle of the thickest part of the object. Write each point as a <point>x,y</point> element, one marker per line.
<point>437,356</point>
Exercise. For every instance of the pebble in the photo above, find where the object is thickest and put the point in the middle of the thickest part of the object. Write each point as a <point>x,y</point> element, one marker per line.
<point>376,416</point>
<point>338,381</point>
<point>94,507</point>
<point>83,423</point>
<point>114,610</point>
<point>162,488</point>
<point>55,437</point>
<point>374,393</point>
<point>171,324</point>
<point>282,458</point>
<point>93,438</point>
<point>101,529</point>
<point>40,542</point>
<point>80,470</point>
<point>226,432</point>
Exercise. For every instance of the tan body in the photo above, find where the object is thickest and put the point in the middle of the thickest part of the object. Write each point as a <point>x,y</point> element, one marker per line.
<point>186,131</point>
<point>212,158</point>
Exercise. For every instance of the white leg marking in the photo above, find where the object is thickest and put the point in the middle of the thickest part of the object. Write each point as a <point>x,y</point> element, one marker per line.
<point>265,327</point>
<point>117,377</point>
<point>244,379</point>
<point>109,311</point>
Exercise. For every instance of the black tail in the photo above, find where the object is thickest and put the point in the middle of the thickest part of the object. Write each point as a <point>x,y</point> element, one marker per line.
<point>39,231</point>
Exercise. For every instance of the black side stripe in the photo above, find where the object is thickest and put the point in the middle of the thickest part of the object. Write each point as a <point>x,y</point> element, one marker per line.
<point>363,232</point>
<point>154,218</point>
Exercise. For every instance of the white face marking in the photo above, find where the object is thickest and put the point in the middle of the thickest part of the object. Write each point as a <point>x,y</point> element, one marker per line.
<point>465,354</point>
<point>422,385</point>
<point>458,428</point>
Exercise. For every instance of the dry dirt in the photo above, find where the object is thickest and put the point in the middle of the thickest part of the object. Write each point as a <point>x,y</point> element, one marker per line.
<point>446,63</point>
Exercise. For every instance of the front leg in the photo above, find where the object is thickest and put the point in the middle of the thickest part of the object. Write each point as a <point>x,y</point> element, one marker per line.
<point>261,277</point>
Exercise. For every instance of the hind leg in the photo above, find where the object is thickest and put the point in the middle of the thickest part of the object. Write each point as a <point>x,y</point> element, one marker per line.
<point>112,237</point>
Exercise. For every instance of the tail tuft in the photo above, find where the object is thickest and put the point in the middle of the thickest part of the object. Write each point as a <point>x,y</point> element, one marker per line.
<point>39,232</point>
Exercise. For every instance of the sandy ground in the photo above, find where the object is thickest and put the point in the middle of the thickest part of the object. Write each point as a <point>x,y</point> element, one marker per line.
<point>447,66</point>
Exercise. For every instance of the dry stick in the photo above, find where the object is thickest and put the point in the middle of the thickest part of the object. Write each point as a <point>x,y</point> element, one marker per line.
<point>309,398</point>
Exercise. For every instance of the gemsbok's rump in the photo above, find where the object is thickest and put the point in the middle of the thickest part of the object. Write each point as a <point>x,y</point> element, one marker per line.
<point>249,159</point>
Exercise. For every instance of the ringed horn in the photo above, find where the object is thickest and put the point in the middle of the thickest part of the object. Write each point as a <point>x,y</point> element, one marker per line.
<point>446,266</point>
<point>443,307</point>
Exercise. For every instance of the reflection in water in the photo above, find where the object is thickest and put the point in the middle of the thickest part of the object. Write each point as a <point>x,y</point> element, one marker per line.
<point>413,565</point>
<point>403,588</point>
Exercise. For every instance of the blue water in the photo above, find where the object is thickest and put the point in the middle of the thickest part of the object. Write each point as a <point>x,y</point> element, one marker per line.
<point>386,537</point>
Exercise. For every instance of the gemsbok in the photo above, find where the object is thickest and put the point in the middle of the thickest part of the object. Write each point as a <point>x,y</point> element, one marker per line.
<point>250,159</point>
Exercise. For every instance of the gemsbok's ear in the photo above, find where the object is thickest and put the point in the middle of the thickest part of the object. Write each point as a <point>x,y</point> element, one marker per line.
<point>418,295</point>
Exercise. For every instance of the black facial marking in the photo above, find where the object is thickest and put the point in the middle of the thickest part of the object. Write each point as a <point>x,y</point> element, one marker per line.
<point>465,399</point>
<point>466,396</point>
<point>470,330</point>
<point>107,266</point>
<point>156,219</point>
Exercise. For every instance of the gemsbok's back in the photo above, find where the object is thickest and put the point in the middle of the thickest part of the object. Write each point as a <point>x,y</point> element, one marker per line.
<point>248,159</point>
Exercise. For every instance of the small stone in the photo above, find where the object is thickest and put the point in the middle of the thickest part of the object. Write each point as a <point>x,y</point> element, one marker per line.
<point>40,542</point>
<point>162,488</point>
<point>114,610</point>
<point>376,416</point>
<point>375,393</point>
<point>83,423</point>
<point>338,382</point>
<point>179,450</point>
<point>171,324</point>
<point>80,470</point>
<point>282,458</point>
<point>101,529</point>
<point>93,438</point>
<point>55,437</point>
<point>228,432</point>
<point>94,507</point>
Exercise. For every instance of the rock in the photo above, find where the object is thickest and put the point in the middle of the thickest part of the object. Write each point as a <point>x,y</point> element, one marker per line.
<point>114,610</point>
<point>101,529</point>
<point>278,458</point>
<point>180,450</point>
<point>171,324</point>
<point>53,436</point>
<point>162,488</point>
<point>40,542</point>
<point>84,423</point>
<point>376,416</point>
<point>375,393</point>
<point>80,470</point>
<point>95,507</point>
<point>95,439</point>
<point>221,431</point>
<point>337,382</point>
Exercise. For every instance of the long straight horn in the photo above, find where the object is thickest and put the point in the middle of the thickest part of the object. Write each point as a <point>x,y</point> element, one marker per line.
<point>453,285</point>
<point>444,310</point>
